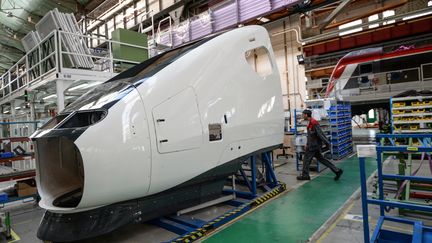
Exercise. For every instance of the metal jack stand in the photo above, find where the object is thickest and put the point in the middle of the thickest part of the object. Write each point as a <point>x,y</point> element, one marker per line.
<point>252,182</point>
<point>190,229</point>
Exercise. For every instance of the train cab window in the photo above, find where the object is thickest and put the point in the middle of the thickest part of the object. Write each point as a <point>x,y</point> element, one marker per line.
<point>83,119</point>
<point>54,121</point>
<point>259,60</point>
<point>365,68</point>
<point>427,71</point>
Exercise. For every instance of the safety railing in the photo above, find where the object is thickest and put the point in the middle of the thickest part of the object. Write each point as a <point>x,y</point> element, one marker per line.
<point>54,54</point>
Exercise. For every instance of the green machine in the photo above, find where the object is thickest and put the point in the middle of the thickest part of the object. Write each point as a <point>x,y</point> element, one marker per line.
<point>127,56</point>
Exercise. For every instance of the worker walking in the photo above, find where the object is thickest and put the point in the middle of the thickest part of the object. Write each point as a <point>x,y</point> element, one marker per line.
<point>315,139</point>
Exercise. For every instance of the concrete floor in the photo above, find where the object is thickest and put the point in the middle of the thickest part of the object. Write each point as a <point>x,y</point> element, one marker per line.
<point>348,225</point>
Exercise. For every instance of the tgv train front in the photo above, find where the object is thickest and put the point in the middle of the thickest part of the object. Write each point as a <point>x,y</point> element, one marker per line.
<point>160,137</point>
<point>78,151</point>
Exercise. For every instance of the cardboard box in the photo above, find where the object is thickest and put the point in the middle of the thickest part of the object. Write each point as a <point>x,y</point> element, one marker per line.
<point>26,188</point>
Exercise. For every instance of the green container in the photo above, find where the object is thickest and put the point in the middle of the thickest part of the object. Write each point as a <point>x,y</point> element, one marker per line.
<point>126,53</point>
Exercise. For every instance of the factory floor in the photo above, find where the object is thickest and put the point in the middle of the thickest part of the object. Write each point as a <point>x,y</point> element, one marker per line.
<point>320,210</point>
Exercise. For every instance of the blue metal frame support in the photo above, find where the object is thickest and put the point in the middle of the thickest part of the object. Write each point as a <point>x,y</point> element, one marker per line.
<point>253,171</point>
<point>420,232</point>
<point>268,161</point>
<point>364,200</point>
<point>380,182</point>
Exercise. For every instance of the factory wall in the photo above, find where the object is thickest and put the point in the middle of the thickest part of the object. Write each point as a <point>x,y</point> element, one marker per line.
<point>292,73</point>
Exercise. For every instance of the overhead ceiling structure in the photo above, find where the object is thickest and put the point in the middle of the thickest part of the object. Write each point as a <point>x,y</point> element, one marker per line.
<point>17,18</point>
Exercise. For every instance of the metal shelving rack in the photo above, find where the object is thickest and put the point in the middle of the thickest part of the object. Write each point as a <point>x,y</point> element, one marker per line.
<point>325,124</point>
<point>341,129</point>
<point>411,114</point>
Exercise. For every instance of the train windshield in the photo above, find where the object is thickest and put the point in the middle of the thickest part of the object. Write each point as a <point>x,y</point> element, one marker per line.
<point>102,96</point>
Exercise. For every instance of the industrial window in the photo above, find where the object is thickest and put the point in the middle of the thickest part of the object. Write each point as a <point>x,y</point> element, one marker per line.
<point>427,71</point>
<point>387,14</point>
<point>259,60</point>
<point>110,28</point>
<point>349,25</point>
<point>411,75</point>
<point>373,18</point>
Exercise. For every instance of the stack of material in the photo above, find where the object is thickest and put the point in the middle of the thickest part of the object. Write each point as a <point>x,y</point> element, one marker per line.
<point>31,40</point>
<point>71,38</point>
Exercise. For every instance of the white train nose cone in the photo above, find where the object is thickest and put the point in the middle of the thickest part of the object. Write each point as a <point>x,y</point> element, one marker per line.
<point>81,159</point>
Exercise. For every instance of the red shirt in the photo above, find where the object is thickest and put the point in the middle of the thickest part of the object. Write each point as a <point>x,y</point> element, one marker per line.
<point>312,123</point>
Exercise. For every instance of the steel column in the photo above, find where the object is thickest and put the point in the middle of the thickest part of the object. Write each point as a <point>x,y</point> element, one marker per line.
<point>364,200</point>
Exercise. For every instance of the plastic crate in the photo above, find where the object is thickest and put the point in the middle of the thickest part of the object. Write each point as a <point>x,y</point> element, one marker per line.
<point>3,197</point>
<point>417,103</point>
<point>6,155</point>
<point>419,111</point>
<point>413,127</point>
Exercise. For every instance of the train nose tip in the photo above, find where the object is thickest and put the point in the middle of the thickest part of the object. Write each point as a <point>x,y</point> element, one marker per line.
<point>61,172</point>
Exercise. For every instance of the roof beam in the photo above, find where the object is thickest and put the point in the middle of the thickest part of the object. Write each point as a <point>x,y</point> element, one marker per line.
<point>333,14</point>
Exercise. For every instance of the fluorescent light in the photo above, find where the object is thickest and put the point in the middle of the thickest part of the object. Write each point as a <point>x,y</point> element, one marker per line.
<point>263,19</point>
<point>5,112</point>
<point>417,15</point>
<point>49,96</point>
<point>17,108</point>
<point>373,26</point>
<point>373,17</point>
<point>351,24</point>
<point>388,13</point>
<point>350,31</point>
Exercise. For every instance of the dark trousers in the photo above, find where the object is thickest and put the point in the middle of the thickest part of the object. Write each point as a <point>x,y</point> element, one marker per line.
<point>308,156</point>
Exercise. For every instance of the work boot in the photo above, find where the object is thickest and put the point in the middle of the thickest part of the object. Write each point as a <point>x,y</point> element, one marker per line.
<point>303,177</point>
<point>338,174</point>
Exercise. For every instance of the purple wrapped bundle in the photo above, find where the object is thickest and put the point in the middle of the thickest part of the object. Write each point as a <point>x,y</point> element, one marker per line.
<point>281,3</point>
<point>181,34</point>
<point>200,27</point>
<point>224,17</point>
<point>250,9</point>
<point>165,38</point>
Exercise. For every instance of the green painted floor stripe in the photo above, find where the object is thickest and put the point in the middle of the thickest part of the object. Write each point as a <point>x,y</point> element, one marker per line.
<point>295,216</point>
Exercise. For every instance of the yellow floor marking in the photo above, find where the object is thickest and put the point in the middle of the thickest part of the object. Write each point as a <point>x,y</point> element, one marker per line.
<point>219,229</point>
<point>15,237</point>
